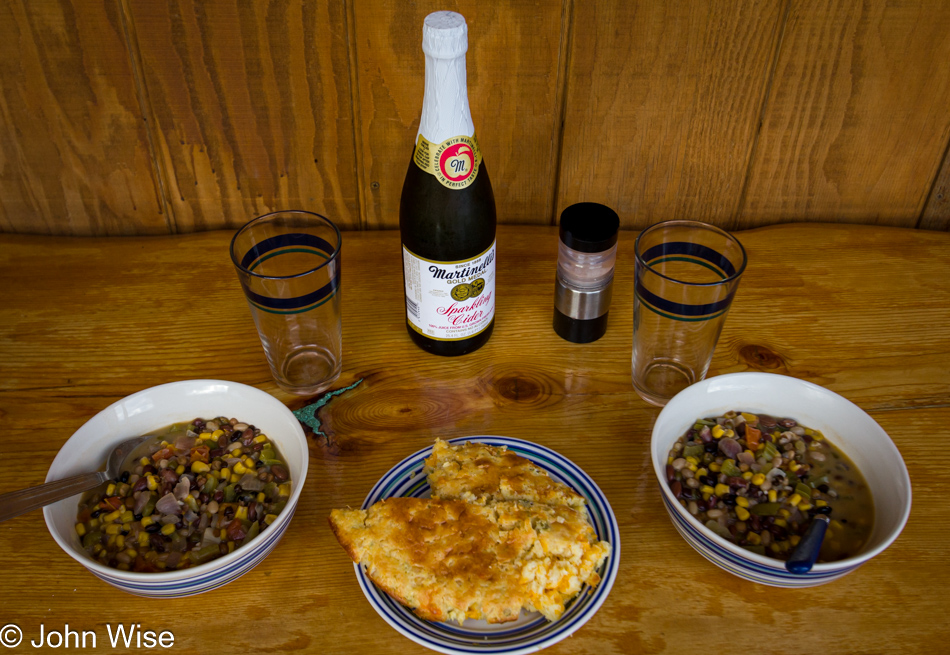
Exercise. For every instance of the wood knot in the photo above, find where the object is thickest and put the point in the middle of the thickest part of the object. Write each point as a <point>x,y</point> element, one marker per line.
<point>762,358</point>
<point>518,388</point>
<point>510,384</point>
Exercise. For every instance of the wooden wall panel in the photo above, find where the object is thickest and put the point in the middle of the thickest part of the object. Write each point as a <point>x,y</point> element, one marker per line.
<point>74,152</point>
<point>936,214</point>
<point>253,108</point>
<point>857,121</point>
<point>143,117</point>
<point>513,55</point>
<point>663,104</point>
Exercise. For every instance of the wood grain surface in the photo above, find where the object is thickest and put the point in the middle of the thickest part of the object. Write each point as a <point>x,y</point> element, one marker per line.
<point>863,311</point>
<point>513,81</point>
<point>74,152</point>
<point>857,115</point>
<point>252,108</point>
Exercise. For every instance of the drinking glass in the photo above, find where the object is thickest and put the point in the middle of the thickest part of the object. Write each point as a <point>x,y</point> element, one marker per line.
<point>288,263</point>
<point>687,274</point>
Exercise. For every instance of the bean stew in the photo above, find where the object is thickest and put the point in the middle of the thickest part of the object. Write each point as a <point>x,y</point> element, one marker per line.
<point>757,481</point>
<point>194,492</point>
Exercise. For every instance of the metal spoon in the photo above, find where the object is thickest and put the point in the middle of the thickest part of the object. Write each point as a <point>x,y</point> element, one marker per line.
<point>806,552</point>
<point>25,500</point>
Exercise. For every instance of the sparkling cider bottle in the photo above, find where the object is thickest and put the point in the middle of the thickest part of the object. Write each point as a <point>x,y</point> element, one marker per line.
<point>447,210</point>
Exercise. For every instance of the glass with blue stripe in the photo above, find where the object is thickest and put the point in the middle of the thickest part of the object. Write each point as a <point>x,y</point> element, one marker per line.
<point>687,274</point>
<point>288,263</point>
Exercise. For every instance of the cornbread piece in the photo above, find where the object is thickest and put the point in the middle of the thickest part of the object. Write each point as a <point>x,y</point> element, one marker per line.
<point>481,474</point>
<point>452,560</point>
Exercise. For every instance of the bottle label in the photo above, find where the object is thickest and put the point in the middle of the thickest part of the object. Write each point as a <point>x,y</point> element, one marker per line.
<point>450,301</point>
<point>454,162</point>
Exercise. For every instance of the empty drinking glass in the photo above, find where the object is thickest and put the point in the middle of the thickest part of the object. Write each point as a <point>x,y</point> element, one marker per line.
<point>288,263</point>
<point>687,274</point>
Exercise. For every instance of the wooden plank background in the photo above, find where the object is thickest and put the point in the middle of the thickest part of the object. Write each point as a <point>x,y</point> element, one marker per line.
<point>122,117</point>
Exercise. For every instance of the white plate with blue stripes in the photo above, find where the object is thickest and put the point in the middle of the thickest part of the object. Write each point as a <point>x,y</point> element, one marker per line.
<point>531,632</point>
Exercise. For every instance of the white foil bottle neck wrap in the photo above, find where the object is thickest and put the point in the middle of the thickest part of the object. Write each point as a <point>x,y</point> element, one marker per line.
<point>445,110</point>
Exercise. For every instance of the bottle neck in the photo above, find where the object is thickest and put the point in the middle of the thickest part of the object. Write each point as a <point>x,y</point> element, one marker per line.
<point>445,110</point>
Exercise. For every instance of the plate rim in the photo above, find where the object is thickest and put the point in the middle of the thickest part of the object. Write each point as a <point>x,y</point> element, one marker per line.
<point>611,564</point>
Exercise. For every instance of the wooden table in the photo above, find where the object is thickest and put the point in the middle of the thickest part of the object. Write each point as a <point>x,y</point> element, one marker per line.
<point>864,311</point>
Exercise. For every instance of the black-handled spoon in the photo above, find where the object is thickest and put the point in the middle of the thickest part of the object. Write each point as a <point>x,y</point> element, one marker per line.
<point>806,552</point>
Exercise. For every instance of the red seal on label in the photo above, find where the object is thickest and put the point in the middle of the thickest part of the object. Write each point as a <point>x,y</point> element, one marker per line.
<point>457,162</point>
<point>454,162</point>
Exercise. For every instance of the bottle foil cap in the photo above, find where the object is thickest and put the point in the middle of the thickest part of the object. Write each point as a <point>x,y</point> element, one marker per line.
<point>445,35</point>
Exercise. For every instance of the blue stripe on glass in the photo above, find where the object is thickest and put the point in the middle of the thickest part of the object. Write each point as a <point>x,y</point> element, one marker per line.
<point>300,301</point>
<point>691,249</point>
<point>680,308</point>
<point>258,250</point>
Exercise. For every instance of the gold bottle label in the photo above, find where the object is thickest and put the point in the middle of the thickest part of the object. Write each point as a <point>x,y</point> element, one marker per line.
<point>454,162</point>
<point>450,301</point>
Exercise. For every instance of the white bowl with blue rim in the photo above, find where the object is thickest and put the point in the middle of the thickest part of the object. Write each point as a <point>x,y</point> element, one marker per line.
<point>531,632</point>
<point>842,422</point>
<point>154,408</point>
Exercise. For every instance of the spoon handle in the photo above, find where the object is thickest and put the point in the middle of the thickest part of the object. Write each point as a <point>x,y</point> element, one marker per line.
<point>22,501</point>
<point>806,553</point>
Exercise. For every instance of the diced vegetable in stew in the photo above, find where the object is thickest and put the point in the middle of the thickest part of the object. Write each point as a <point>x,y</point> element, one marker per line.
<point>757,481</point>
<point>193,493</point>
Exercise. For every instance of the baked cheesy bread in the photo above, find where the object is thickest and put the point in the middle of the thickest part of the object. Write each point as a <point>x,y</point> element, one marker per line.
<point>480,473</point>
<point>453,560</point>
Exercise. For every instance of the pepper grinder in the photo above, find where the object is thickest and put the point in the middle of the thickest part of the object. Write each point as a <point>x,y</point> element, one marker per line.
<point>586,255</point>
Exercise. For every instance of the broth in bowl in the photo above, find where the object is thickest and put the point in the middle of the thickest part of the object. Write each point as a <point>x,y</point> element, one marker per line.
<point>191,493</point>
<point>757,481</point>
